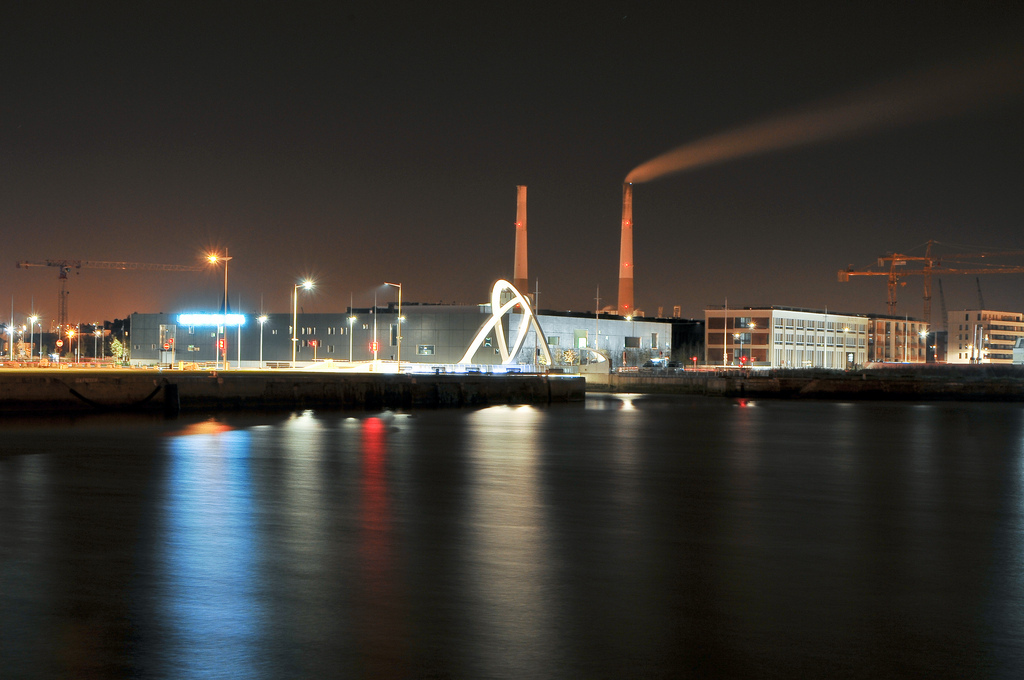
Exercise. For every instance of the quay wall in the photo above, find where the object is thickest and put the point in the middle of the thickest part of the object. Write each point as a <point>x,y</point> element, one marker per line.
<point>952,385</point>
<point>44,390</point>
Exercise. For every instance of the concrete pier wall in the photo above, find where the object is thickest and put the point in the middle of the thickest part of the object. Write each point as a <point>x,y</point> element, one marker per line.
<point>28,391</point>
<point>965,385</point>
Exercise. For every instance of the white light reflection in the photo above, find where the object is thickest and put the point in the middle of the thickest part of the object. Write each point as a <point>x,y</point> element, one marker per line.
<point>207,559</point>
<point>509,543</point>
<point>302,491</point>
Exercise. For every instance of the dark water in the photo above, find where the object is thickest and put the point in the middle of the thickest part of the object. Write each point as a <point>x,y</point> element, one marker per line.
<point>630,538</point>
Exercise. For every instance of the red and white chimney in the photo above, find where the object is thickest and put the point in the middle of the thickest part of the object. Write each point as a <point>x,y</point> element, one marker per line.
<point>520,279</point>
<point>626,253</point>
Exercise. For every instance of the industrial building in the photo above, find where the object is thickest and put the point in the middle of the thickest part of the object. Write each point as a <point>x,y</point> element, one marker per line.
<point>438,335</point>
<point>784,337</point>
<point>982,336</point>
<point>788,337</point>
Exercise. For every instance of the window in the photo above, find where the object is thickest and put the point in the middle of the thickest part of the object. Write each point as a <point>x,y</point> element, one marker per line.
<point>425,350</point>
<point>273,331</point>
<point>552,339</point>
<point>633,342</point>
<point>654,339</point>
<point>330,349</point>
<point>394,334</point>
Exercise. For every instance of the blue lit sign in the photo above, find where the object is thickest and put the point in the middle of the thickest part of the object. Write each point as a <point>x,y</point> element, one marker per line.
<point>211,319</point>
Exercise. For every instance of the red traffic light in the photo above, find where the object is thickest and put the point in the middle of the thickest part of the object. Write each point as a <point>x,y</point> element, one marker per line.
<point>222,344</point>
<point>374,346</point>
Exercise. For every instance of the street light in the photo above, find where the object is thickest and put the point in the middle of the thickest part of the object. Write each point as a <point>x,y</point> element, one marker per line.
<point>305,285</point>
<point>399,324</point>
<point>95,341</point>
<point>752,325</point>
<point>262,319</point>
<point>31,334</point>
<point>739,336</point>
<point>71,338</point>
<point>214,258</point>
<point>351,319</point>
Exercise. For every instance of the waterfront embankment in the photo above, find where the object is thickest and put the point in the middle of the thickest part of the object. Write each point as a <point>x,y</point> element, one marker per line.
<point>926,383</point>
<point>28,390</point>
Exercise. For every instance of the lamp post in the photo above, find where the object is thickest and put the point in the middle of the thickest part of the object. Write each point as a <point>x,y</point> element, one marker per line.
<point>751,325</point>
<point>31,334</point>
<point>214,258</point>
<point>262,319</point>
<point>351,319</point>
<point>95,343</point>
<point>399,324</point>
<point>739,336</point>
<point>375,346</point>
<point>924,339</point>
<point>305,285</point>
<point>71,338</point>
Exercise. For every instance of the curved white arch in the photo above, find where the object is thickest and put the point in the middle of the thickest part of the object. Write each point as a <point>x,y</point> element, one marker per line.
<point>499,310</point>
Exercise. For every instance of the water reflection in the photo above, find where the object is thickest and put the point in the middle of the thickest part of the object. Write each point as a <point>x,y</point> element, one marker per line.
<point>669,538</point>
<point>508,545</point>
<point>212,616</point>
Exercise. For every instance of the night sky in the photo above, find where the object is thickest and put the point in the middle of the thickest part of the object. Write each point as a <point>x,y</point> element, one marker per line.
<point>359,144</point>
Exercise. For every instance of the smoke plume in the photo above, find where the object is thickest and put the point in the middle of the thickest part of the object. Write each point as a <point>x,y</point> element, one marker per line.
<point>935,94</point>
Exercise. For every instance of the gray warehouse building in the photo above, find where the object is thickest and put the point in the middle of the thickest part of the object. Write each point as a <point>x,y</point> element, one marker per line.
<point>430,334</point>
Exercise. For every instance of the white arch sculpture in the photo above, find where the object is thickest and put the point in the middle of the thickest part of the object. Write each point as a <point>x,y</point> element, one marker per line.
<point>499,310</point>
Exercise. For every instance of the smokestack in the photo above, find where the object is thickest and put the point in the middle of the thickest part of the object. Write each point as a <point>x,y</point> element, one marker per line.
<point>626,253</point>
<point>520,279</point>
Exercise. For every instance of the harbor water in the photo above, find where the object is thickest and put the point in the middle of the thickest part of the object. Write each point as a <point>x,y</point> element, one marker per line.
<point>627,537</point>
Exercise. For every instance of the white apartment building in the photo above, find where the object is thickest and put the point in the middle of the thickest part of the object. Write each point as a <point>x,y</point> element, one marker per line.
<point>784,337</point>
<point>981,336</point>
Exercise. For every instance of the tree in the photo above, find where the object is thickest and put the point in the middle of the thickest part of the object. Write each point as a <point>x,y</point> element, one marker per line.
<point>118,350</point>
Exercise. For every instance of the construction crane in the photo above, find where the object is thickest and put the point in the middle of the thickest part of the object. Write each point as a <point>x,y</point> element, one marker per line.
<point>65,267</point>
<point>931,265</point>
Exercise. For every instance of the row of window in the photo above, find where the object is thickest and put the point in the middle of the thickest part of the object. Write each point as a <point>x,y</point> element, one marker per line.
<point>811,324</point>
<point>819,340</point>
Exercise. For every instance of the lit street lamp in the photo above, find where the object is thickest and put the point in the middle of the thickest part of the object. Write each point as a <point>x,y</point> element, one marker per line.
<point>213,258</point>
<point>31,334</point>
<point>262,319</point>
<point>95,342</point>
<point>351,319</point>
<point>752,325</point>
<point>71,338</point>
<point>739,336</point>
<point>399,323</point>
<point>305,285</point>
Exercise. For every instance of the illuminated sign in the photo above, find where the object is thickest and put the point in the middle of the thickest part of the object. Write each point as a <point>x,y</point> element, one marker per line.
<point>211,319</point>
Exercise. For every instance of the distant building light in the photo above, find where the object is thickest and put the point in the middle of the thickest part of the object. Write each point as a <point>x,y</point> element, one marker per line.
<point>211,319</point>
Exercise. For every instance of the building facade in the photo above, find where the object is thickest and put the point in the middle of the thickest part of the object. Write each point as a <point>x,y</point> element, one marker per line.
<point>434,334</point>
<point>897,340</point>
<point>784,337</point>
<point>981,336</point>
